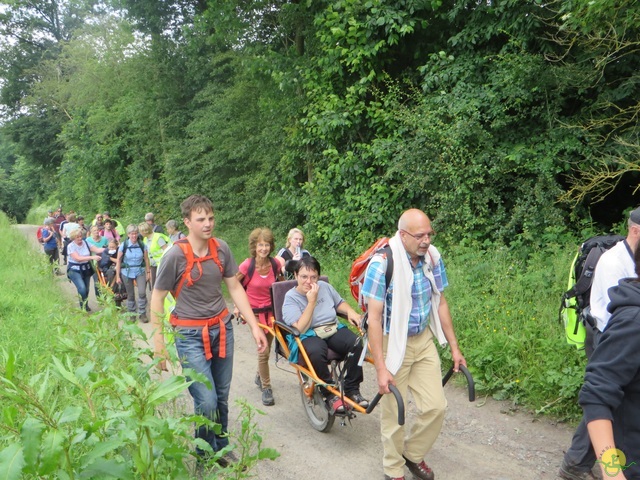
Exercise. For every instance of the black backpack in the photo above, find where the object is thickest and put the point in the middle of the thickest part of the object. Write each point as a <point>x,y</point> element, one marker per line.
<point>275,266</point>
<point>126,245</point>
<point>575,301</point>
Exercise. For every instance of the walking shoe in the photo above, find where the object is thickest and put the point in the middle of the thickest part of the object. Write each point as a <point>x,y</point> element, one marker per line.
<point>230,459</point>
<point>419,470</point>
<point>335,404</point>
<point>267,397</point>
<point>258,381</point>
<point>143,318</point>
<point>358,398</point>
<point>569,472</point>
<point>387,477</point>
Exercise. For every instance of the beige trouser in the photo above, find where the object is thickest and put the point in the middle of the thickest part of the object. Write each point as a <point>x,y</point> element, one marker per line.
<point>263,362</point>
<point>420,373</point>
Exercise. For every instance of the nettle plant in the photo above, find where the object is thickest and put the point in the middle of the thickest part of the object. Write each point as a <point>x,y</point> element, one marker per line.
<point>98,410</point>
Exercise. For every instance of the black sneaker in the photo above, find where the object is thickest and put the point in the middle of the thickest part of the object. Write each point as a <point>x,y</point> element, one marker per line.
<point>358,398</point>
<point>267,397</point>
<point>419,470</point>
<point>573,473</point>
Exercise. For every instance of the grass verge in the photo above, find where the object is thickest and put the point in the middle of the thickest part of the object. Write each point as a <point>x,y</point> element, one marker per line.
<point>77,399</point>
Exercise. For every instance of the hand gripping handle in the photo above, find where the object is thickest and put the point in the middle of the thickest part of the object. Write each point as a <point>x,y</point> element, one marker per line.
<point>470,383</point>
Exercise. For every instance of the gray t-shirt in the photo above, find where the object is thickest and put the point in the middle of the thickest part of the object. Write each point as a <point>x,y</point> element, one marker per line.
<point>324,311</point>
<point>204,298</point>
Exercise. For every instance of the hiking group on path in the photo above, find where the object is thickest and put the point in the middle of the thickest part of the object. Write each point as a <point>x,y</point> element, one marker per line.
<point>407,313</point>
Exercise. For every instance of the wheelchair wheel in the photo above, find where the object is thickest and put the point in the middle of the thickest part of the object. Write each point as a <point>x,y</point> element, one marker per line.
<point>319,415</point>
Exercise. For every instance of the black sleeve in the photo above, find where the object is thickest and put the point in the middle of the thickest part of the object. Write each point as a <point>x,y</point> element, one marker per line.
<point>613,366</point>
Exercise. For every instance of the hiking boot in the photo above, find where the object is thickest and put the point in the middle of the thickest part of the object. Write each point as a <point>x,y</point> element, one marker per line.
<point>419,470</point>
<point>143,318</point>
<point>258,381</point>
<point>229,459</point>
<point>267,397</point>
<point>387,477</point>
<point>569,472</point>
<point>335,404</point>
<point>358,398</point>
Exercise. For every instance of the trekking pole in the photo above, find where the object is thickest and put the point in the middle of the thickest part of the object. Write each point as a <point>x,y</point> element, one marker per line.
<point>470,383</point>
<point>399,401</point>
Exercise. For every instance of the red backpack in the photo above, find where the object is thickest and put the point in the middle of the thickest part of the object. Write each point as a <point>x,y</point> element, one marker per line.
<point>39,234</point>
<point>360,264</point>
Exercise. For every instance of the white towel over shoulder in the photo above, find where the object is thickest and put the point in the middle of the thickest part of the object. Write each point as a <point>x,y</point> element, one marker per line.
<point>402,278</point>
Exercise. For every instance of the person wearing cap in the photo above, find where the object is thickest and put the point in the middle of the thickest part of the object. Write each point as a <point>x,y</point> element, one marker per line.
<point>614,265</point>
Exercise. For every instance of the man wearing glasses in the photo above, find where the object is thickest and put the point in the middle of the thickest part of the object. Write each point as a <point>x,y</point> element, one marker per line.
<point>404,319</point>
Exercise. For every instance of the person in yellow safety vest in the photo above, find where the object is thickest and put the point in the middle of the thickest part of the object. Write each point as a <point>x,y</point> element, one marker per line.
<point>156,243</point>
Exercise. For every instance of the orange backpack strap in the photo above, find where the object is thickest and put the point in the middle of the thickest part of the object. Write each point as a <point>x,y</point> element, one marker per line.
<point>186,278</point>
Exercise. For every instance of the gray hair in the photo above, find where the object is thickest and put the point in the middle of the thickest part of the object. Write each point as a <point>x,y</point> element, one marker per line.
<point>149,216</point>
<point>172,224</point>
<point>132,228</point>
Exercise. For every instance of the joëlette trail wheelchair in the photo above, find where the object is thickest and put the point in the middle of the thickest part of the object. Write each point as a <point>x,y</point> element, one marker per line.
<point>110,285</point>
<point>320,415</point>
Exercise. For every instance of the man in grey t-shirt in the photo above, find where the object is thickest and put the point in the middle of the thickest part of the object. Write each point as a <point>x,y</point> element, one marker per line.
<point>193,270</point>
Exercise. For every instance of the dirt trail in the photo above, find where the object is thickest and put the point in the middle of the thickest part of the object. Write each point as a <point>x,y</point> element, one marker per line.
<point>480,440</point>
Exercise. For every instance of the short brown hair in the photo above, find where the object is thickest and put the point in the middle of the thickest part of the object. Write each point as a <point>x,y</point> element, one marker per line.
<point>266,235</point>
<point>195,203</point>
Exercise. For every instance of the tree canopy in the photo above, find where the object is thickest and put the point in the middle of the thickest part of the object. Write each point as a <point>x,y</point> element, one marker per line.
<point>504,120</point>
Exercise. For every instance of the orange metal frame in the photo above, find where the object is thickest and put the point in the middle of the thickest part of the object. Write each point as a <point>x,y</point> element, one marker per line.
<point>309,371</point>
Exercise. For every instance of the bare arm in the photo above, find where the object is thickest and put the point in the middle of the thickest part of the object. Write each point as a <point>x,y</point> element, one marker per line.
<point>83,258</point>
<point>354,317</point>
<point>157,317</point>
<point>601,434</point>
<point>375,310</point>
<point>447,327</point>
<point>118,266</point>
<point>239,297</point>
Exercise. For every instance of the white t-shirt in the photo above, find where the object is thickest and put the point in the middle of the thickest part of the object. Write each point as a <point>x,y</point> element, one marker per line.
<point>614,265</point>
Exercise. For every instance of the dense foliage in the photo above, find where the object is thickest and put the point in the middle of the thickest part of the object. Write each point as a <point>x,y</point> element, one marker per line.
<point>501,119</point>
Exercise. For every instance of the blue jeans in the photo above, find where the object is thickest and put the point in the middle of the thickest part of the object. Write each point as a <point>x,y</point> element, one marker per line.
<point>212,403</point>
<point>82,283</point>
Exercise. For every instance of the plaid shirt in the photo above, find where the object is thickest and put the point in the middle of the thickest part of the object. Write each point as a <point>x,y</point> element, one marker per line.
<point>375,285</point>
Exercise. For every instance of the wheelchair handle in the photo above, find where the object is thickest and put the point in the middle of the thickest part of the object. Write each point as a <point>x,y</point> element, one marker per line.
<point>399,401</point>
<point>471,386</point>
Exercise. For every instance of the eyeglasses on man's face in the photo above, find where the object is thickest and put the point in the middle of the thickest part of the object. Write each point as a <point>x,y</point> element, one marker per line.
<point>420,236</point>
